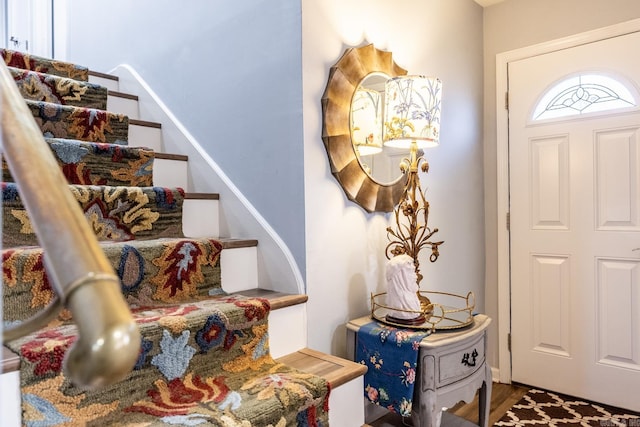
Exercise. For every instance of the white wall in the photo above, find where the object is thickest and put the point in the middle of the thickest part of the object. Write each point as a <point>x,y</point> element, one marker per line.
<point>229,71</point>
<point>345,245</point>
<point>512,25</point>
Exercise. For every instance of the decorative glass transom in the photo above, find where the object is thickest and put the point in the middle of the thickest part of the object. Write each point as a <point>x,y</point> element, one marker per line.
<point>582,94</point>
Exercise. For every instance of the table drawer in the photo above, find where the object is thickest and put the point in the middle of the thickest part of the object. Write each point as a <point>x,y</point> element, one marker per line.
<point>460,362</point>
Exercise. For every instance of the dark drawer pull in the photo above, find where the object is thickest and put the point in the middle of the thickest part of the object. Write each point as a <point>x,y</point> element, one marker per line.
<point>469,359</point>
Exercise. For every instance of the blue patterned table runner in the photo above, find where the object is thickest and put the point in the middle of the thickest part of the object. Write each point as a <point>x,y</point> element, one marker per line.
<point>391,354</point>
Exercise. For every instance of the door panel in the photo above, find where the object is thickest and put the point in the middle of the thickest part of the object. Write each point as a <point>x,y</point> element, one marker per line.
<point>618,339</point>
<point>617,178</point>
<point>30,26</point>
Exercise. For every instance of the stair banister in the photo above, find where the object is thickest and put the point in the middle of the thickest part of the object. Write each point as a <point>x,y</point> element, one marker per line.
<point>108,339</point>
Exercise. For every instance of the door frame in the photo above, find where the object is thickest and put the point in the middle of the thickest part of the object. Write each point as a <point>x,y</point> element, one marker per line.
<point>502,168</point>
<point>4,36</point>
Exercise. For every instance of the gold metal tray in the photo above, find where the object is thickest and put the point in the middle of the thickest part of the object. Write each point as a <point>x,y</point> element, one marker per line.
<point>446,311</point>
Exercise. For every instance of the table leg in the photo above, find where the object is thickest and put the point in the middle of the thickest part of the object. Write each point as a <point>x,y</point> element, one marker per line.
<point>428,414</point>
<point>484,398</point>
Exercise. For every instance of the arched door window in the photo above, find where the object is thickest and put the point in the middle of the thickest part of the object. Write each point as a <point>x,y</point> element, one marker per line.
<point>583,94</point>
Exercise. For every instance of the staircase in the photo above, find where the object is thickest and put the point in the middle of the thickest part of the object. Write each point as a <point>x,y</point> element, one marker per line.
<point>223,340</point>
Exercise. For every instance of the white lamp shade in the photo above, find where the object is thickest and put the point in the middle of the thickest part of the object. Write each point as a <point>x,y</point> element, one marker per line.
<point>412,111</point>
<point>366,121</point>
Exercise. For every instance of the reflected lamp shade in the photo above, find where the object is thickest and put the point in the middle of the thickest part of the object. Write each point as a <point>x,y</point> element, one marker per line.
<point>366,121</point>
<point>412,111</point>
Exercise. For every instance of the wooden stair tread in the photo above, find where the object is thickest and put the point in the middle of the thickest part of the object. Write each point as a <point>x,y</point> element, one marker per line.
<point>202,196</point>
<point>9,361</point>
<point>277,300</point>
<point>123,95</point>
<point>229,243</point>
<point>103,75</point>
<point>169,156</point>
<point>145,123</point>
<point>335,370</point>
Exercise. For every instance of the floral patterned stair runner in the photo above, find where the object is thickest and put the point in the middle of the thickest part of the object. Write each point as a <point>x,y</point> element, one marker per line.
<point>174,381</point>
<point>27,61</point>
<point>115,213</point>
<point>152,272</point>
<point>60,90</point>
<point>90,163</point>
<point>204,356</point>
<point>84,124</point>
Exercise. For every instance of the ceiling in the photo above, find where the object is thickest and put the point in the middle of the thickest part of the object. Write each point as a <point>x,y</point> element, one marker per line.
<point>485,3</point>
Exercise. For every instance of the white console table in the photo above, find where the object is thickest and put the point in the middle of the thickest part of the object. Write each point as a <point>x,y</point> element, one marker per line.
<point>451,368</point>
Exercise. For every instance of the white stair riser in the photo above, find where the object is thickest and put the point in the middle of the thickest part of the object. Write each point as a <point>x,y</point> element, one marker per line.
<point>145,136</point>
<point>346,406</point>
<point>171,173</point>
<point>108,83</point>
<point>120,105</point>
<point>239,269</point>
<point>10,413</point>
<point>287,330</point>
<point>200,218</point>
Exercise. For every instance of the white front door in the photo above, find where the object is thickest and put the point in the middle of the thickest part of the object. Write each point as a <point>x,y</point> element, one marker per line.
<point>29,26</point>
<point>575,222</point>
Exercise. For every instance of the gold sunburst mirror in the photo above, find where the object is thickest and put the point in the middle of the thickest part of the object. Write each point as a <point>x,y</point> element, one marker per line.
<point>348,80</point>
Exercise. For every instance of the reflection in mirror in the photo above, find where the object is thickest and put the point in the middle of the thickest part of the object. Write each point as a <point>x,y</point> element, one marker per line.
<point>366,121</point>
<point>379,162</point>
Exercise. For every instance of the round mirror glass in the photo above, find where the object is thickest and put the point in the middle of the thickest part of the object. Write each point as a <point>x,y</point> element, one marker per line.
<point>365,124</point>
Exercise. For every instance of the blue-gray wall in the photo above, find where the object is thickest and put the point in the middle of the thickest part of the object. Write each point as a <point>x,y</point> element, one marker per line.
<point>230,71</point>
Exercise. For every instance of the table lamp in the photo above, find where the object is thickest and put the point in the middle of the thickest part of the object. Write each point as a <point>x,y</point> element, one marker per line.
<point>412,121</point>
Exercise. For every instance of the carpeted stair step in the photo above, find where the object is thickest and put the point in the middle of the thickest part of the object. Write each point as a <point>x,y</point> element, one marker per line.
<point>84,124</point>
<point>201,363</point>
<point>151,272</point>
<point>90,163</point>
<point>44,65</point>
<point>10,362</point>
<point>114,213</point>
<point>59,90</point>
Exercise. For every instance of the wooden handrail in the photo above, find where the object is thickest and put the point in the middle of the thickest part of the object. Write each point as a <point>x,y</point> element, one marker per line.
<point>109,340</point>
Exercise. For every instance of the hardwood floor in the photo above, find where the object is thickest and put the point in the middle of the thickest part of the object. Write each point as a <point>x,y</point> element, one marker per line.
<point>503,396</point>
